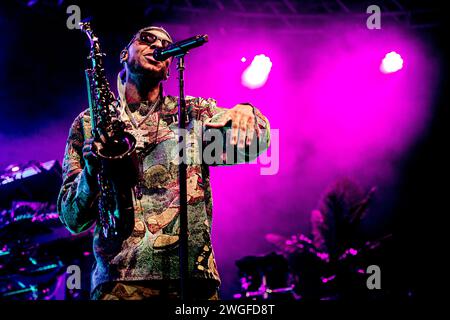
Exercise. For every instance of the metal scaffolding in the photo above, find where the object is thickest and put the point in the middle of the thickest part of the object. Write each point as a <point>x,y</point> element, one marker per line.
<point>282,15</point>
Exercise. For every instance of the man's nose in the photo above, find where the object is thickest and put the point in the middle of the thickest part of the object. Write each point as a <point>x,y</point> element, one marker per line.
<point>156,44</point>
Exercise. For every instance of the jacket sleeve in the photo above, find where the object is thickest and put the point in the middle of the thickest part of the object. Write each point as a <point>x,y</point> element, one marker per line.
<point>77,199</point>
<point>231,154</point>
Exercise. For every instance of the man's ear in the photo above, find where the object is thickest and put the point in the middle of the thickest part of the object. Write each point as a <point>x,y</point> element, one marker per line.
<point>123,56</point>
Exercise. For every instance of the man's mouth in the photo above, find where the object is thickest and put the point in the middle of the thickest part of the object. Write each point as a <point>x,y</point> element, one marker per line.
<point>149,57</point>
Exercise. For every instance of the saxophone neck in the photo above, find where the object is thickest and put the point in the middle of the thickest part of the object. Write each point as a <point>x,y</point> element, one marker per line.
<point>95,52</point>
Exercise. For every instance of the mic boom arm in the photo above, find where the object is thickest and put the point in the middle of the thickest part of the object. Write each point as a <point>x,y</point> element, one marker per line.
<point>180,47</point>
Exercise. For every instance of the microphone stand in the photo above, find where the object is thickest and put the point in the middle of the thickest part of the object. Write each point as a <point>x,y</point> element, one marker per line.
<point>182,179</point>
<point>179,50</point>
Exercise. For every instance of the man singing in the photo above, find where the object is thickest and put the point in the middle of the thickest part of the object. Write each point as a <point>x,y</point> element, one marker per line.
<point>146,263</point>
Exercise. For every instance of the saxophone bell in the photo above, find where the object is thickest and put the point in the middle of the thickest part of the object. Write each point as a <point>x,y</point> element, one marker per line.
<point>117,148</point>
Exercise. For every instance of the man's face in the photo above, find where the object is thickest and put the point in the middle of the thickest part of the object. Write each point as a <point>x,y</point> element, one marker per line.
<point>140,57</point>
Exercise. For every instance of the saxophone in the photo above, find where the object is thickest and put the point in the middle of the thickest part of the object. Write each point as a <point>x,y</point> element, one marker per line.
<point>115,148</point>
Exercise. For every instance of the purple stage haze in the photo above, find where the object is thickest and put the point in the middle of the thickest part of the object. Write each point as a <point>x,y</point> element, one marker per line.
<point>337,115</point>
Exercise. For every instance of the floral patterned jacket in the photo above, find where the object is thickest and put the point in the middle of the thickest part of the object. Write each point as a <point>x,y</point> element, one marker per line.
<point>151,251</point>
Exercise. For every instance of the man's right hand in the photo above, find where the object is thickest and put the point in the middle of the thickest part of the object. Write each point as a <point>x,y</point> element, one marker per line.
<point>91,160</point>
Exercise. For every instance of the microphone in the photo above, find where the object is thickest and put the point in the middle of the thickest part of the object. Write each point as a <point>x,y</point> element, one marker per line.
<point>179,48</point>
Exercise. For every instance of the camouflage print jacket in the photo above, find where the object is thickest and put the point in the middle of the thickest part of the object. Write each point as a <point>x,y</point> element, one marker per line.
<point>151,252</point>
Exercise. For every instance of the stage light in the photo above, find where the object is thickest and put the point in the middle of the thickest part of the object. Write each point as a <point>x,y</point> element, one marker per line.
<point>243,59</point>
<point>392,62</point>
<point>255,76</point>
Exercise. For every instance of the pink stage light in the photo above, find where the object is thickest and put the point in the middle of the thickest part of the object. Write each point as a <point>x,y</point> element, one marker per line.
<point>392,62</point>
<point>255,76</point>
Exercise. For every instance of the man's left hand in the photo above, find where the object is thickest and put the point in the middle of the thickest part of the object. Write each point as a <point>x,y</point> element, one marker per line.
<point>242,124</point>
